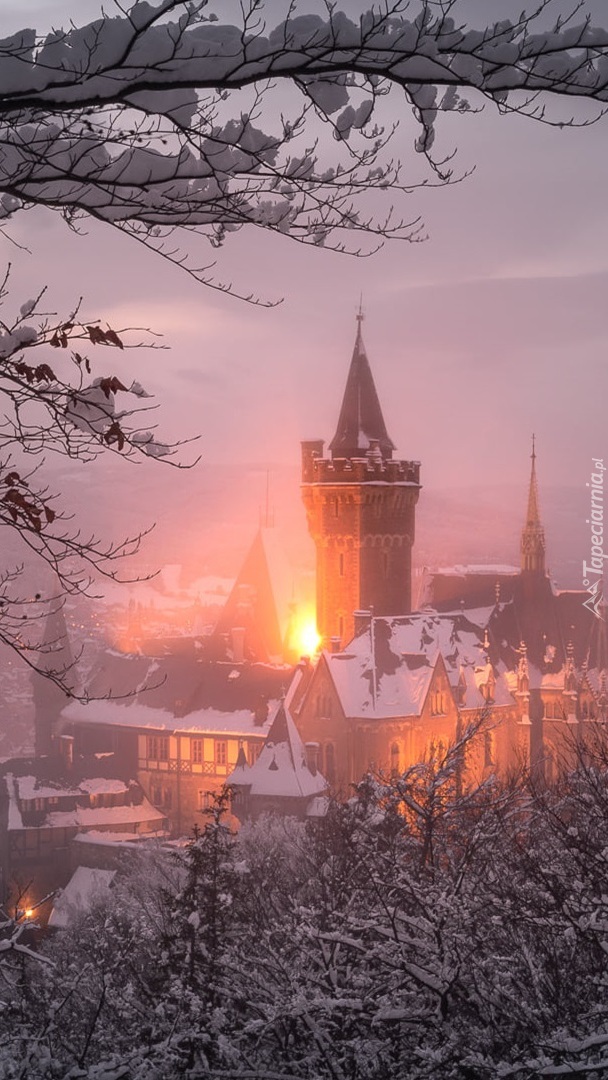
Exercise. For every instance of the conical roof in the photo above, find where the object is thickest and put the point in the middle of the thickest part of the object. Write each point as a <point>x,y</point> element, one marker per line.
<point>533,514</point>
<point>533,534</point>
<point>361,422</point>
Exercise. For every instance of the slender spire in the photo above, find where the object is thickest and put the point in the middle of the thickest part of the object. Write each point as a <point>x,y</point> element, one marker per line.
<point>533,534</point>
<point>361,424</point>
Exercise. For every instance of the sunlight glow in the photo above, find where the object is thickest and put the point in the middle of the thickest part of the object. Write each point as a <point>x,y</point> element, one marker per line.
<point>306,637</point>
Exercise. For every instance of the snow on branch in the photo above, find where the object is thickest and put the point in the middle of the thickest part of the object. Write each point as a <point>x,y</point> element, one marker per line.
<point>133,118</point>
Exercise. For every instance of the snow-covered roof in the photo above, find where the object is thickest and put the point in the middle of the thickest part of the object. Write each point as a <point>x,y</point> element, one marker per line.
<point>170,692</point>
<point>387,670</point>
<point>460,570</point>
<point>30,787</point>
<point>85,886</point>
<point>241,722</point>
<point>281,770</point>
<point>23,788</point>
<point>87,817</point>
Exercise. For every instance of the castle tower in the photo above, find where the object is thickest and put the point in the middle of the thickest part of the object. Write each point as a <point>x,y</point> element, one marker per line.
<point>360,505</point>
<point>533,535</point>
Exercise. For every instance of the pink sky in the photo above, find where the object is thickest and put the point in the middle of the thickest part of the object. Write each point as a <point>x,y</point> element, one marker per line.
<point>493,328</point>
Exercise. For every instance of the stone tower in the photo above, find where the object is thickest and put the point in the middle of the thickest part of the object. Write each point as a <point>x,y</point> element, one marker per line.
<point>360,505</point>
<point>533,535</point>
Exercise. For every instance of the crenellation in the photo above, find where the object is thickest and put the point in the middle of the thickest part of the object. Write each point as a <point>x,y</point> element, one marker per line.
<point>323,470</point>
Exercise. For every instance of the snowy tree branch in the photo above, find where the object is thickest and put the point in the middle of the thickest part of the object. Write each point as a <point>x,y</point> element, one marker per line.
<point>162,117</point>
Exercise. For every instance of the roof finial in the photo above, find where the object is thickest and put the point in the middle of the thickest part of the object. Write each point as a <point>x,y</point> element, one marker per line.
<point>360,316</point>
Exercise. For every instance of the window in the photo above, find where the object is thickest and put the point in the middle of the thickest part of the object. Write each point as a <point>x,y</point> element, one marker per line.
<point>395,760</point>
<point>197,751</point>
<point>385,563</point>
<point>324,705</point>
<point>336,504</point>
<point>341,565</point>
<point>488,750</point>
<point>221,752</point>
<point>205,799</point>
<point>341,627</point>
<point>437,703</point>
<point>158,747</point>
<point>253,752</point>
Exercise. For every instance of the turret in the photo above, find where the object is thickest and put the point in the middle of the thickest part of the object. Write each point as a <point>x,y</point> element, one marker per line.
<point>360,504</point>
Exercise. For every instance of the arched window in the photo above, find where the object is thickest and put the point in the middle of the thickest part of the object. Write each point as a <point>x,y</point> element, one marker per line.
<point>341,565</point>
<point>488,750</point>
<point>395,770</point>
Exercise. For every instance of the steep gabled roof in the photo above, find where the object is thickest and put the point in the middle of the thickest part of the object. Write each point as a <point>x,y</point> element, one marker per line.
<point>260,598</point>
<point>281,770</point>
<point>387,670</point>
<point>361,421</point>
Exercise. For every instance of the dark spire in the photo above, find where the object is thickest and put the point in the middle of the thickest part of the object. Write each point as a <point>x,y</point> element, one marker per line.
<point>533,534</point>
<point>361,423</point>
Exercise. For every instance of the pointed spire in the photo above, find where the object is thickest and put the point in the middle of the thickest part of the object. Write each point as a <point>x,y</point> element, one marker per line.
<point>361,424</point>
<point>533,534</point>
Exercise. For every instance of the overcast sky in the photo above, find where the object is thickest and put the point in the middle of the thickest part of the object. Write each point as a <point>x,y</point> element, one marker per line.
<point>493,328</point>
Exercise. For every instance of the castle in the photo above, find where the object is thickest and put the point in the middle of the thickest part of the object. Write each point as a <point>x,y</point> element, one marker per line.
<point>389,687</point>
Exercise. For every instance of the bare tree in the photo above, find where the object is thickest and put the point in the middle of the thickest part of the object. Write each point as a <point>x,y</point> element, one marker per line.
<point>161,118</point>
<point>53,403</point>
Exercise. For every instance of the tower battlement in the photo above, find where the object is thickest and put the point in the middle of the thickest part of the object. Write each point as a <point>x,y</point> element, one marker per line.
<point>371,469</point>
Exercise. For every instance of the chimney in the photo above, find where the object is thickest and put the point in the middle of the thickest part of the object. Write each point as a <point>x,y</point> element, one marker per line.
<point>362,621</point>
<point>260,714</point>
<point>66,750</point>
<point>312,756</point>
<point>335,644</point>
<point>237,643</point>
